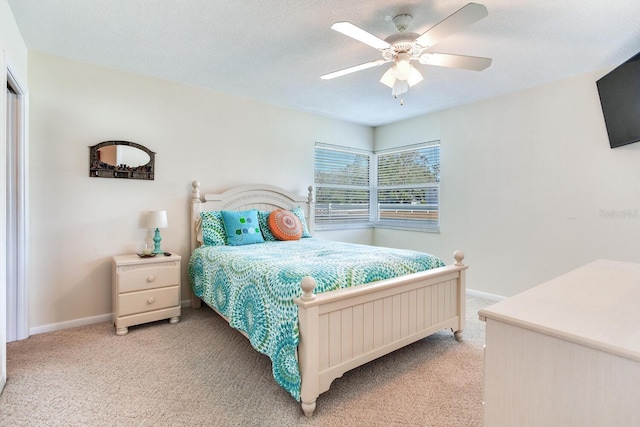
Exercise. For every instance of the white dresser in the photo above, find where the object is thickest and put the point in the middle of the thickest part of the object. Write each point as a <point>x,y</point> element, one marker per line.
<point>567,352</point>
<point>145,290</point>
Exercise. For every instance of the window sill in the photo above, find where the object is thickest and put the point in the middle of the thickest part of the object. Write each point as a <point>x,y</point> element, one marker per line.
<point>334,227</point>
<point>412,229</point>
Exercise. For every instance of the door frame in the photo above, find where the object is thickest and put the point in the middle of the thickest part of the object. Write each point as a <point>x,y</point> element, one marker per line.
<point>17,306</point>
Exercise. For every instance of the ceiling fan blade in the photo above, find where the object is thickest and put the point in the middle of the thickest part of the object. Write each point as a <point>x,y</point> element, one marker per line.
<point>465,16</point>
<point>475,63</point>
<point>348,29</point>
<point>353,69</point>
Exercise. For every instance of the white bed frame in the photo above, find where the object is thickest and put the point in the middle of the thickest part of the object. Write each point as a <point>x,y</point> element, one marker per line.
<point>346,328</point>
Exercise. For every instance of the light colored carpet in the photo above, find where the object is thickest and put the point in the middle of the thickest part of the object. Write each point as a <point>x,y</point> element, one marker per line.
<point>200,372</point>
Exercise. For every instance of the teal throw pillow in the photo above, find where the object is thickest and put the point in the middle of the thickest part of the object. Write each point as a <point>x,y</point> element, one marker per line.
<point>213,232</point>
<point>297,211</point>
<point>242,227</point>
<point>263,220</point>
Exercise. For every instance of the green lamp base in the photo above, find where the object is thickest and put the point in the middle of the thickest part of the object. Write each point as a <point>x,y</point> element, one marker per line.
<point>156,242</point>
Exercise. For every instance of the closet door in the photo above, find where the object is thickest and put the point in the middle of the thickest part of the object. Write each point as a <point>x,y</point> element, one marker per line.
<point>13,216</point>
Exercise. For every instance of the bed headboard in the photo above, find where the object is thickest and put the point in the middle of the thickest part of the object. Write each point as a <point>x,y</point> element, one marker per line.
<point>256,196</point>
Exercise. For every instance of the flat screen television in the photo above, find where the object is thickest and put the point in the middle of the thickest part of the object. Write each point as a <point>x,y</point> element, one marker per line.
<point>619,93</point>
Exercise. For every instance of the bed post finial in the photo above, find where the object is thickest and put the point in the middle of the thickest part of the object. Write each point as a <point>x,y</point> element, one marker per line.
<point>196,190</point>
<point>310,196</point>
<point>308,284</point>
<point>459,256</point>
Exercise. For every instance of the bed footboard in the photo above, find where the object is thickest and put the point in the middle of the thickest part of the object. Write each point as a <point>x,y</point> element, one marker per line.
<point>343,329</point>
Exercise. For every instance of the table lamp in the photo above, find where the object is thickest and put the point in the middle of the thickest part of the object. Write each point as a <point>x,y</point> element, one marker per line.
<point>157,220</point>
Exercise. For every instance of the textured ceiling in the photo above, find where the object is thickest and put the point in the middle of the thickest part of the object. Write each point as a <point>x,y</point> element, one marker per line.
<point>275,50</point>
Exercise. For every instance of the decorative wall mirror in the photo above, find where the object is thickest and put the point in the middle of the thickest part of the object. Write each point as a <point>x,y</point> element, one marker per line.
<point>121,159</point>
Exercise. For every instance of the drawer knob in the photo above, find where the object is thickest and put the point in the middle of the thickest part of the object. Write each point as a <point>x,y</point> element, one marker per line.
<point>151,278</point>
<point>151,300</point>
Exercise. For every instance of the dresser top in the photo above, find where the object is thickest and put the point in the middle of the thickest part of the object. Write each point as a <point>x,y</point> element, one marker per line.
<point>597,305</point>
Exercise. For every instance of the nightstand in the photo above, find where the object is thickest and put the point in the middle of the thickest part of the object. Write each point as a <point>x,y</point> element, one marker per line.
<point>145,290</point>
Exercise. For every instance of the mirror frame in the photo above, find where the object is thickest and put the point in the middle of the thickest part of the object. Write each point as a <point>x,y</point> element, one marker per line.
<point>99,169</point>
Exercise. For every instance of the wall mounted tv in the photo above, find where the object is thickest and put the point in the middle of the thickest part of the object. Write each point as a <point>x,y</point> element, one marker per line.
<point>620,99</point>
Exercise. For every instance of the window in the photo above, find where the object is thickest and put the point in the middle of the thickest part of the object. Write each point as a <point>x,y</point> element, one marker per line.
<point>393,188</point>
<point>408,186</point>
<point>342,182</point>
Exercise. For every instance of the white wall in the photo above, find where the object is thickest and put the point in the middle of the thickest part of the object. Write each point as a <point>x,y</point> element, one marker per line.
<point>528,181</point>
<point>78,223</point>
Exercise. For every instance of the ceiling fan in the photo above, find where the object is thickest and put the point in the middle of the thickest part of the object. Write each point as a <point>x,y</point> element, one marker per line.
<point>403,47</point>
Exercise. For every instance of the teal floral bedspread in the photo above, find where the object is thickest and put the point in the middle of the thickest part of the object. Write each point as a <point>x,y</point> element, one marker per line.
<point>254,286</point>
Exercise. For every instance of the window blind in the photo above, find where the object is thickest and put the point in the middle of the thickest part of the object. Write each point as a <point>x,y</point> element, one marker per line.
<point>408,186</point>
<point>342,185</point>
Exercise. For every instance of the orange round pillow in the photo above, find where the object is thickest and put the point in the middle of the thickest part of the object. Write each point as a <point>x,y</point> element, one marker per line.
<point>284,225</point>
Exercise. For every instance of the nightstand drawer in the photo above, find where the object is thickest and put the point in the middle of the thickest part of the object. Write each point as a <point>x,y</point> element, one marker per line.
<point>143,301</point>
<point>148,278</point>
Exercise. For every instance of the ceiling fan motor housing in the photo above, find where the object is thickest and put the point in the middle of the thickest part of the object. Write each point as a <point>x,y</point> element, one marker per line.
<point>402,42</point>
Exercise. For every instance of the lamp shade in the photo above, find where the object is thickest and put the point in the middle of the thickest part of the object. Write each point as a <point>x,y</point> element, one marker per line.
<point>399,87</point>
<point>389,77</point>
<point>403,66</point>
<point>157,219</point>
<point>414,77</point>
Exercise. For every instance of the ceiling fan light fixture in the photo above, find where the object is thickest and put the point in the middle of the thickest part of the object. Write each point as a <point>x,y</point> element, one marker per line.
<point>399,87</point>
<point>403,66</point>
<point>414,77</point>
<point>389,77</point>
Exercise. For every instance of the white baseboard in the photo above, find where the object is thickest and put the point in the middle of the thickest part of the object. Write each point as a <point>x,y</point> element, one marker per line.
<point>485,295</point>
<point>70,324</point>
<point>83,322</point>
